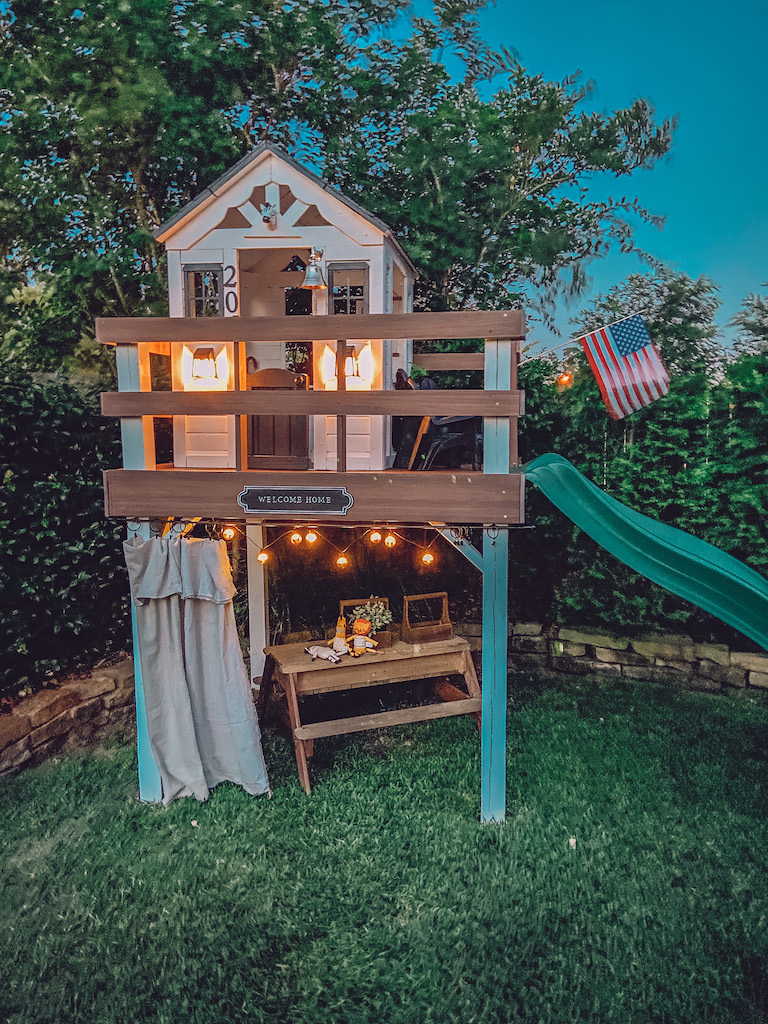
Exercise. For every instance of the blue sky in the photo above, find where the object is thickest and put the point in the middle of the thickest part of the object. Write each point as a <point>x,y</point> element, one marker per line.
<point>705,63</point>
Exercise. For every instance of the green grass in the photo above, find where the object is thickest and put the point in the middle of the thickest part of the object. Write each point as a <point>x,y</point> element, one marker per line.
<point>381,899</point>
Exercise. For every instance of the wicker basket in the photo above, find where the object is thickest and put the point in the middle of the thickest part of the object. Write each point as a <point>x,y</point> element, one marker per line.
<point>424,632</point>
<point>384,636</point>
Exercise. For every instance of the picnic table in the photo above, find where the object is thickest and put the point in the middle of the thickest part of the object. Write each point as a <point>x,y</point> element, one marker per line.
<point>290,667</point>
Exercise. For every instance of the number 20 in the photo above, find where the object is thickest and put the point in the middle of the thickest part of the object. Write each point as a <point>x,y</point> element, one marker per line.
<point>230,281</point>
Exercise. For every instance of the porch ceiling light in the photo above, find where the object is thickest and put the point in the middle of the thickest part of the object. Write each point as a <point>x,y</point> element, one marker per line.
<point>313,279</point>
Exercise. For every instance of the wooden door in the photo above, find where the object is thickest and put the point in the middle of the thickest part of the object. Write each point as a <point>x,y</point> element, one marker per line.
<point>278,442</point>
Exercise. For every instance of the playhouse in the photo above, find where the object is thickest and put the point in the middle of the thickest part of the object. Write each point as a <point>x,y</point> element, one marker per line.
<point>290,317</point>
<point>279,372</point>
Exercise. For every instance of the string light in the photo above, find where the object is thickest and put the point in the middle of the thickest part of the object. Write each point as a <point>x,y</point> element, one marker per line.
<point>310,537</point>
<point>229,533</point>
<point>375,537</point>
<point>262,557</point>
<point>390,540</point>
<point>342,561</point>
<point>296,538</point>
<point>427,558</point>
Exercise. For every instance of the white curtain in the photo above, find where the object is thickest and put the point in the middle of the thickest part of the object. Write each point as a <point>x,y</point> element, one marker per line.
<point>201,719</point>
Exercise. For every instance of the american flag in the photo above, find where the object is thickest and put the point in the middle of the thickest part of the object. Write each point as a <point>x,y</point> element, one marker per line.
<point>627,366</point>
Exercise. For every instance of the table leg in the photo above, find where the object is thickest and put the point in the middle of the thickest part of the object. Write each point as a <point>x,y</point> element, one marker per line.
<point>470,676</point>
<point>472,683</point>
<point>293,715</point>
<point>265,689</point>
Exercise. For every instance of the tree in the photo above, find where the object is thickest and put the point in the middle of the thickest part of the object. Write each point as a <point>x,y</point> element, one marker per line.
<point>752,321</point>
<point>117,114</point>
<point>679,312</point>
<point>489,195</point>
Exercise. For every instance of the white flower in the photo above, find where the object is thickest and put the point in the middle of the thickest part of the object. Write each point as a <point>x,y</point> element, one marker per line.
<point>194,825</point>
<point>572,842</point>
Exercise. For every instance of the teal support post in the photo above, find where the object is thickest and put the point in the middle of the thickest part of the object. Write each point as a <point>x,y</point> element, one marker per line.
<point>493,738</point>
<point>133,374</point>
<point>496,459</point>
<point>150,786</point>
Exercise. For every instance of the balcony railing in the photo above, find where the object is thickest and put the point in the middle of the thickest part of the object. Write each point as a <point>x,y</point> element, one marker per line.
<point>452,496</point>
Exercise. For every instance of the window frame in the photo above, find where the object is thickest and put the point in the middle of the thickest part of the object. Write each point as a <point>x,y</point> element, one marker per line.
<point>189,299</point>
<point>332,267</point>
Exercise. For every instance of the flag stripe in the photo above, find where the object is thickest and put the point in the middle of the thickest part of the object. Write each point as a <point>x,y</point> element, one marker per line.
<point>612,396</point>
<point>613,411</point>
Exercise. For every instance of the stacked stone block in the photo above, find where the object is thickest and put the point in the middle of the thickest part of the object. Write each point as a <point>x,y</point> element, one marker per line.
<point>68,716</point>
<point>667,658</point>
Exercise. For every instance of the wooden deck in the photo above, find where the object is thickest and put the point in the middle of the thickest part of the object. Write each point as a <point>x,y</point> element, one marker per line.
<point>442,496</point>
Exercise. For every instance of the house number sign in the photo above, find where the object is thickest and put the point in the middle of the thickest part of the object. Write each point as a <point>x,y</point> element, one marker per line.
<point>292,500</point>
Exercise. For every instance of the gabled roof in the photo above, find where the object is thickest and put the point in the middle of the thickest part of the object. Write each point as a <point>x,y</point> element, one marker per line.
<point>213,190</point>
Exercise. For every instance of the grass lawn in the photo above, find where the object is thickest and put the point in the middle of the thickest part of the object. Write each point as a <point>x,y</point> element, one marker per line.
<point>381,898</point>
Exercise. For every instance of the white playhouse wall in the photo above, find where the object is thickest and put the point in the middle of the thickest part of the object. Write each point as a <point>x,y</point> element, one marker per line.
<point>227,229</point>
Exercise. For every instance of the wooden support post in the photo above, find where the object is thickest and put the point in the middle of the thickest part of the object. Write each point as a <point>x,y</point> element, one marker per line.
<point>257,598</point>
<point>341,421</point>
<point>241,422</point>
<point>493,785</point>
<point>133,374</point>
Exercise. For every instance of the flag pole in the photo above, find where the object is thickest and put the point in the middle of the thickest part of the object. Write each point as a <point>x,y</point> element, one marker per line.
<point>575,338</point>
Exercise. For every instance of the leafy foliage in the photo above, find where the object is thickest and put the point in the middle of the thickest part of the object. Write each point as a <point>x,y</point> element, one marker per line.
<point>752,321</point>
<point>64,599</point>
<point>693,459</point>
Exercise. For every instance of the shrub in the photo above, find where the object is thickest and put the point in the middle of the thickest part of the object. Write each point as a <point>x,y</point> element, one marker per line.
<point>64,599</point>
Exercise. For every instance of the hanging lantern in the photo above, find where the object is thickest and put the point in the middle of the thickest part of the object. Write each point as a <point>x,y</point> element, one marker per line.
<point>313,279</point>
<point>262,557</point>
<point>296,538</point>
<point>375,537</point>
<point>310,536</point>
<point>390,540</point>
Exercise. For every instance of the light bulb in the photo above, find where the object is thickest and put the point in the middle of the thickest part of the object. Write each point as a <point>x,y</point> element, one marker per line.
<point>310,536</point>
<point>228,533</point>
<point>375,537</point>
<point>262,557</point>
<point>296,538</point>
<point>390,540</point>
<point>427,558</point>
<point>341,561</point>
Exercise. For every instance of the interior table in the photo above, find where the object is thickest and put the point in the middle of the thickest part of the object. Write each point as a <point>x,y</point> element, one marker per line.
<point>293,669</point>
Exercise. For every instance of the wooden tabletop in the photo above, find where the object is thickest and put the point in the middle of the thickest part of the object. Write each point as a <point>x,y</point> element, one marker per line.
<point>293,658</point>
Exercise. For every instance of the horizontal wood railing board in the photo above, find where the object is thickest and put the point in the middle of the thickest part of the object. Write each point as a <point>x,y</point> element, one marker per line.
<point>449,360</point>
<point>508,324</point>
<point>311,403</point>
<point>450,497</point>
<point>383,719</point>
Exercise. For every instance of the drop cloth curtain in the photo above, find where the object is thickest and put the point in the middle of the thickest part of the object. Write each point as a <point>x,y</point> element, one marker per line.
<point>201,719</point>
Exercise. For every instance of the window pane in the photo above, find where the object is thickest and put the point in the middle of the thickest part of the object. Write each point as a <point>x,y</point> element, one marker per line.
<point>203,293</point>
<point>349,290</point>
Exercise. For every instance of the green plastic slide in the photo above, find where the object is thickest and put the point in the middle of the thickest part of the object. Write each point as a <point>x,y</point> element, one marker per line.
<point>689,567</point>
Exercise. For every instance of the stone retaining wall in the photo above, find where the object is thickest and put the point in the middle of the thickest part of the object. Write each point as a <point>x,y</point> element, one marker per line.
<point>666,658</point>
<point>83,711</point>
<point>68,716</point>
